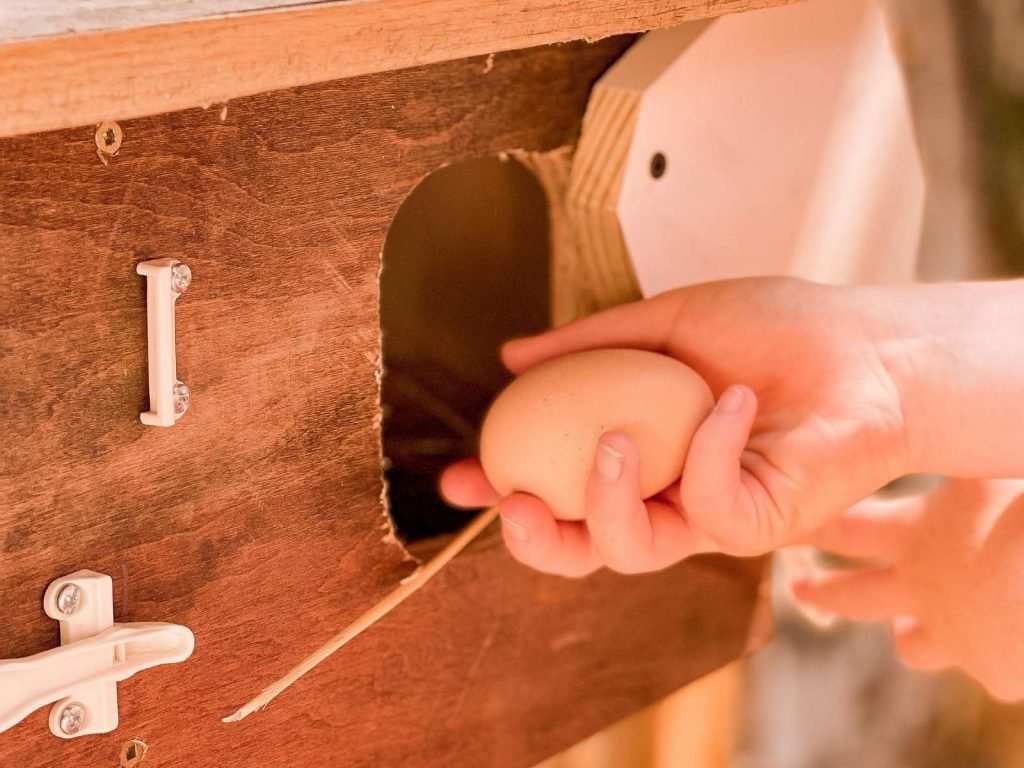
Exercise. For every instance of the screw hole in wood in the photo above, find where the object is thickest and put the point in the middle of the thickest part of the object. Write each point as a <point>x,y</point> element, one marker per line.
<point>659,165</point>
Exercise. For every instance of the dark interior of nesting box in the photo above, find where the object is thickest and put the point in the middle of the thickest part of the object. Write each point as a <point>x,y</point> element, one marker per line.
<point>466,266</point>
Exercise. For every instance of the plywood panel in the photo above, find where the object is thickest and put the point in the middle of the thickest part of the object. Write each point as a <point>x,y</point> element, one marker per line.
<point>256,520</point>
<point>136,68</point>
<point>28,19</point>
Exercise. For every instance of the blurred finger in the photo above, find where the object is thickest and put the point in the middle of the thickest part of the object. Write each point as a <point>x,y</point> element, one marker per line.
<point>629,535</point>
<point>464,484</point>
<point>916,647</point>
<point>640,325</point>
<point>864,595</point>
<point>720,498</point>
<point>875,528</point>
<point>535,538</point>
<point>797,563</point>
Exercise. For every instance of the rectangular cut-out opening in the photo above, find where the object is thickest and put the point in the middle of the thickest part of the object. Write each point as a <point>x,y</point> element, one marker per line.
<point>466,266</point>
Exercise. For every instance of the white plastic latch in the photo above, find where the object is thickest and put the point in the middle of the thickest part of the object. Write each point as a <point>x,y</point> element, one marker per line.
<point>166,280</point>
<point>80,678</point>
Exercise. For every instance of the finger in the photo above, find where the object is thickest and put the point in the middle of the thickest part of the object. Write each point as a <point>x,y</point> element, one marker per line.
<point>629,535</point>
<point>639,325</point>
<point>864,595</point>
<point>665,510</point>
<point>875,528</point>
<point>719,496</point>
<point>616,516</point>
<point>797,563</point>
<point>916,647</point>
<point>463,484</point>
<point>536,539</point>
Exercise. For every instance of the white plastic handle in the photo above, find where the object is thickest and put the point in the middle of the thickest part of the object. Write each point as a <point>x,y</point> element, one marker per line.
<point>80,678</point>
<point>166,280</point>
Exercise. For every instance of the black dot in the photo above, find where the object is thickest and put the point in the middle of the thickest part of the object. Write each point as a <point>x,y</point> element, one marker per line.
<point>658,165</point>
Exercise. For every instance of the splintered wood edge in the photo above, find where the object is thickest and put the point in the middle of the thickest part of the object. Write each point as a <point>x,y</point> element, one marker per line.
<point>81,79</point>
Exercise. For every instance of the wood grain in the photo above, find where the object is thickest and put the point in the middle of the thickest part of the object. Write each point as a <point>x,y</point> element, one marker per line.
<point>256,520</point>
<point>604,274</point>
<point>27,19</point>
<point>64,81</point>
<point>693,728</point>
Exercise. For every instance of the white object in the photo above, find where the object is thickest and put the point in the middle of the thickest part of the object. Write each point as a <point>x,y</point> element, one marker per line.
<point>80,678</point>
<point>789,150</point>
<point>166,280</point>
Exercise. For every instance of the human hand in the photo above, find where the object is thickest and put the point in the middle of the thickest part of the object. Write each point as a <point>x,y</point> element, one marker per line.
<point>824,429</point>
<point>947,574</point>
<point>621,531</point>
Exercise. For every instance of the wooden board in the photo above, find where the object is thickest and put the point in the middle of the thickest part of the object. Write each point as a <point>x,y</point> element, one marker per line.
<point>134,69</point>
<point>28,19</point>
<point>256,520</point>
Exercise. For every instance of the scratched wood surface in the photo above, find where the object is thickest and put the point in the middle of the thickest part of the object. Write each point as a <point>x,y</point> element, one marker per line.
<point>256,520</point>
<point>27,19</point>
<point>131,66</point>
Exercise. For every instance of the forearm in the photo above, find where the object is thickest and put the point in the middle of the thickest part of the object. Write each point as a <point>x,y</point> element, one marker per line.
<point>956,354</point>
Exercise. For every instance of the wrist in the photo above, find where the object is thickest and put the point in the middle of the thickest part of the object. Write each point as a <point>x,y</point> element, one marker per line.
<point>955,355</point>
<point>927,395</point>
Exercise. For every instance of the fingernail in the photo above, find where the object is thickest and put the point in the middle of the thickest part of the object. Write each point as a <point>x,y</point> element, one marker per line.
<point>608,463</point>
<point>516,530</point>
<point>731,400</point>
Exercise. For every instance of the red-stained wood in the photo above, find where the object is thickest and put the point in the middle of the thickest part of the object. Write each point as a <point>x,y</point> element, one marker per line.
<point>256,520</point>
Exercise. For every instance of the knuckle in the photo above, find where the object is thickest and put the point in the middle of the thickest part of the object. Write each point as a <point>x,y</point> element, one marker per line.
<point>695,497</point>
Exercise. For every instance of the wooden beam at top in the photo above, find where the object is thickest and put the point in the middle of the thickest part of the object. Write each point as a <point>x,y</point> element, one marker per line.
<point>28,19</point>
<point>63,81</point>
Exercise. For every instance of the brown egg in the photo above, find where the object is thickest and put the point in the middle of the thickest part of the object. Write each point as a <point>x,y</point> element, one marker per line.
<point>541,432</point>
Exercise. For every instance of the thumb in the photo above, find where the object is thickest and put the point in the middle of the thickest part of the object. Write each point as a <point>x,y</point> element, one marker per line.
<point>721,498</point>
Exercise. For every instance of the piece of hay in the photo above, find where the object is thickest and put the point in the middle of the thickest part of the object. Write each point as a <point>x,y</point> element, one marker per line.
<point>392,600</point>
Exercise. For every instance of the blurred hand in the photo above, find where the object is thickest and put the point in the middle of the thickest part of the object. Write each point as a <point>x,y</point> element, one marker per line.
<point>808,420</point>
<point>948,576</point>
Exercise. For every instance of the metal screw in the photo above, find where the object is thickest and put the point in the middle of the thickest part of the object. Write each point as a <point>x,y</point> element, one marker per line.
<point>72,717</point>
<point>658,165</point>
<point>181,278</point>
<point>108,138</point>
<point>68,599</point>
<point>182,398</point>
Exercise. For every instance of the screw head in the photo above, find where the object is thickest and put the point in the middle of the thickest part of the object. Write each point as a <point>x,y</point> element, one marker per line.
<point>72,717</point>
<point>181,278</point>
<point>182,398</point>
<point>108,137</point>
<point>69,598</point>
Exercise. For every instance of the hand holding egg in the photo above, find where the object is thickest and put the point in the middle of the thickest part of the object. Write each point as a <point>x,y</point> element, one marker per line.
<point>541,434</point>
<point>810,418</point>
